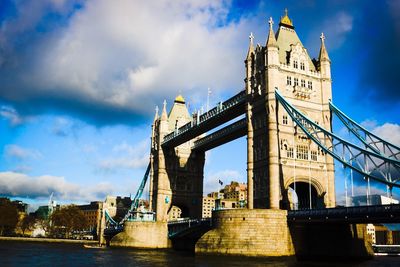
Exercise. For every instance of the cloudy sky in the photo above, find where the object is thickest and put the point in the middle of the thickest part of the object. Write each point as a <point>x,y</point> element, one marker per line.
<point>79,81</point>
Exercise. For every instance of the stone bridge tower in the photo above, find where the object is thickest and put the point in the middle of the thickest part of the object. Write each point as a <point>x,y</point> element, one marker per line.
<point>285,169</point>
<point>176,176</point>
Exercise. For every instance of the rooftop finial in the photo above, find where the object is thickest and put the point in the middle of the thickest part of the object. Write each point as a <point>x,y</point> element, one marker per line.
<point>156,116</point>
<point>271,41</point>
<point>285,20</point>
<point>251,37</point>
<point>164,115</point>
<point>271,22</point>
<point>323,54</point>
<point>322,37</point>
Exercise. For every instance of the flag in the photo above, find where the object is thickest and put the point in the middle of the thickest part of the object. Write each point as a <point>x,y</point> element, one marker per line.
<point>220,182</point>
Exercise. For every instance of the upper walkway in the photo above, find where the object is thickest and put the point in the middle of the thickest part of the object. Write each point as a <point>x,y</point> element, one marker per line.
<point>222,113</point>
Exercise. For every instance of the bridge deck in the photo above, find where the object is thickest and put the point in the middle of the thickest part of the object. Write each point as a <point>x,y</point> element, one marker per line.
<point>361,214</point>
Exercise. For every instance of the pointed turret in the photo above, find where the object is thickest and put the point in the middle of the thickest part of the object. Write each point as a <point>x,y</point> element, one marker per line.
<point>272,52</point>
<point>286,21</point>
<point>156,115</point>
<point>251,46</point>
<point>271,41</point>
<point>323,54</point>
<point>164,115</point>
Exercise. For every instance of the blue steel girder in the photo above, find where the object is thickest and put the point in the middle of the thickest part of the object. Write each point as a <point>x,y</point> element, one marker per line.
<point>348,154</point>
<point>222,136</point>
<point>222,113</point>
<point>370,140</point>
<point>109,219</point>
<point>135,201</point>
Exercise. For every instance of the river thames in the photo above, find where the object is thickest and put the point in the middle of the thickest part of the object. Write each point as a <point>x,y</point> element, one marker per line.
<point>14,253</point>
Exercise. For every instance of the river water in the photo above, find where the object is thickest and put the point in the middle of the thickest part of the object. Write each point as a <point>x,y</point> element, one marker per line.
<point>14,253</point>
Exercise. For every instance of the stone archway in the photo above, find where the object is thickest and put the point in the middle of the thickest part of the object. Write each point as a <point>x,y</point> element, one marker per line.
<point>302,195</point>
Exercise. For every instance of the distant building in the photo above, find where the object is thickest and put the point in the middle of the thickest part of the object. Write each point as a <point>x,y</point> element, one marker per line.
<point>21,206</point>
<point>93,214</point>
<point>216,195</point>
<point>208,206</point>
<point>372,200</point>
<point>110,204</point>
<point>232,196</point>
<point>174,213</point>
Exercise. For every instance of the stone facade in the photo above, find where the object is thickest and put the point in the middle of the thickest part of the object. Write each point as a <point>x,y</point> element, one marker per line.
<point>142,235</point>
<point>257,232</point>
<point>176,176</point>
<point>280,156</point>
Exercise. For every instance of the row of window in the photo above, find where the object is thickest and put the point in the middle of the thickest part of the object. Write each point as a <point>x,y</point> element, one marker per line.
<point>296,82</point>
<point>296,65</point>
<point>301,153</point>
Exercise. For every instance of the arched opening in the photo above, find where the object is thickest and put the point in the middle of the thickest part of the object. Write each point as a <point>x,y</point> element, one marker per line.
<point>303,196</point>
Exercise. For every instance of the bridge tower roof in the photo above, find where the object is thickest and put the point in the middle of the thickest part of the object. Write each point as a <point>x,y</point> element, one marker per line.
<point>179,114</point>
<point>286,38</point>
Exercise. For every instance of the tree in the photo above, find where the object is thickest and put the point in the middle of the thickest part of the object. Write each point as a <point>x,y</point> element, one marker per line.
<point>27,223</point>
<point>8,216</point>
<point>68,219</point>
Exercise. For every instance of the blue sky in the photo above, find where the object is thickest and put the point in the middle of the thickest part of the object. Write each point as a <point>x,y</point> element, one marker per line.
<point>79,81</point>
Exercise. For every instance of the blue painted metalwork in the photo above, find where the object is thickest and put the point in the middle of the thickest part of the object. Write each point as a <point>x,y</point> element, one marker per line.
<point>224,135</point>
<point>219,110</point>
<point>130,215</point>
<point>370,140</point>
<point>179,227</point>
<point>350,155</point>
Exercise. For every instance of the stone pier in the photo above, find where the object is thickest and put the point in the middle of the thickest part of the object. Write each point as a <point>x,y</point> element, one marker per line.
<point>142,235</point>
<point>256,232</point>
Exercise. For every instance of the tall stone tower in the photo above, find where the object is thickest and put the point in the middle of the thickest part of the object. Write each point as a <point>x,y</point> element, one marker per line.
<point>285,169</point>
<point>176,176</point>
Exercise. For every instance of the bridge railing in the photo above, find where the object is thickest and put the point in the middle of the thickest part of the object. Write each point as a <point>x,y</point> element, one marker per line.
<point>221,107</point>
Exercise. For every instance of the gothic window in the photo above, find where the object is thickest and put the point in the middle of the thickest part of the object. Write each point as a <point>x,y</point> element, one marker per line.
<point>309,84</point>
<point>302,67</point>
<point>295,64</point>
<point>314,155</point>
<point>296,82</point>
<point>303,83</point>
<point>289,80</point>
<point>285,120</point>
<point>289,152</point>
<point>302,152</point>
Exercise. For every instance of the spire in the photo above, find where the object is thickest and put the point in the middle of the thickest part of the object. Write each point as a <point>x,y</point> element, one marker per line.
<point>286,21</point>
<point>164,115</point>
<point>156,116</point>
<point>323,54</point>
<point>271,41</point>
<point>251,46</point>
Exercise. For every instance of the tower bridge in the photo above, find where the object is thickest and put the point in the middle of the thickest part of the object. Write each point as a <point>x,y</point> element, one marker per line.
<point>287,109</point>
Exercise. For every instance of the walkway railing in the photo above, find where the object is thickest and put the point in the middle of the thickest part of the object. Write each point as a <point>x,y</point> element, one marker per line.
<point>198,122</point>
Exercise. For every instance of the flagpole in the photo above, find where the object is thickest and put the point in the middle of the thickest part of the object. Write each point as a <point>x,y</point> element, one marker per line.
<point>208,98</point>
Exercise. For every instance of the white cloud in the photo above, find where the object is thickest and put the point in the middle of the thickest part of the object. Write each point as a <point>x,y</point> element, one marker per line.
<point>129,54</point>
<point>360,190</point>
<point>15,151</point>
<point>15,184</point>
<point>389,132</point>
<point>335,28</point>
<point>127,156</point>
<point>13,116</point>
